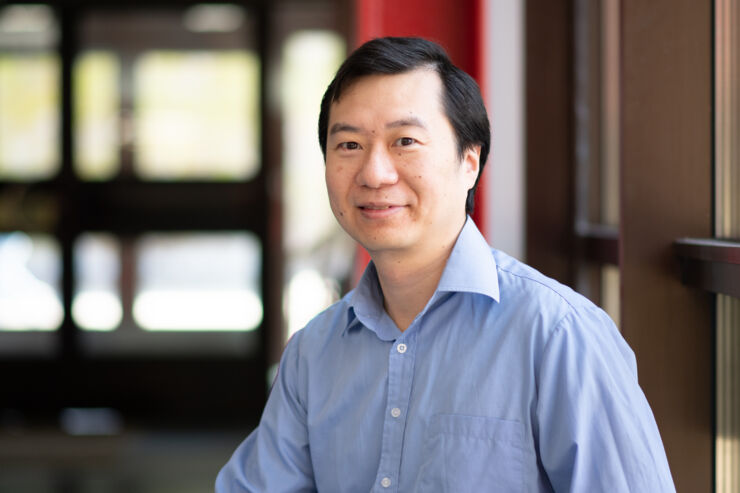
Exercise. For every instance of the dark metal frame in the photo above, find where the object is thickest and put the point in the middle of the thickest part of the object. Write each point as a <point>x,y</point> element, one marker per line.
<point>178,390</point>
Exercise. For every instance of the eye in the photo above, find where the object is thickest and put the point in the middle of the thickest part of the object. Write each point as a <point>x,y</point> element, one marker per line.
<point>349,146</point>
<point>405,141</point>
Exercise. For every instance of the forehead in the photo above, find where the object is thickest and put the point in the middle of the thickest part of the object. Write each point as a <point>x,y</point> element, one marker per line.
<point>418,90</point>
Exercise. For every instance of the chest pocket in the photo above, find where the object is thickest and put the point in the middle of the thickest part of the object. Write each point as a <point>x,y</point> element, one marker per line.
<point>472,454</point>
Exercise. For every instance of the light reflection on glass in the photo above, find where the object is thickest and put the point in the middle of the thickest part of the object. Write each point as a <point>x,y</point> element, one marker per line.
<point>97,302</point>
<point>198,309</point>
<point>30,297</point>
<point>29,116</point>
<point>96,115</point>
<point>198,282</point>
<point>29,93</point>
<point>197,115</point>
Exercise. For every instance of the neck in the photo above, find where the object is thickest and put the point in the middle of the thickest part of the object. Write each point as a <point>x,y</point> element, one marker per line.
<point>408,280</point>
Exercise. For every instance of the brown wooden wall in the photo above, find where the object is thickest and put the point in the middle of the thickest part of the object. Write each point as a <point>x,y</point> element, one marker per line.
<point>665,193</point>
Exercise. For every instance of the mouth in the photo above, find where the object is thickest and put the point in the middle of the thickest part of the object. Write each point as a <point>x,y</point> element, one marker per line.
<point>379,211</point>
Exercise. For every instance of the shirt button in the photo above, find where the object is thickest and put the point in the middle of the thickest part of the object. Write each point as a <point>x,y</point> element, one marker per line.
<point>395,412</point>
<point>385,482</point>
<point>401,348</point>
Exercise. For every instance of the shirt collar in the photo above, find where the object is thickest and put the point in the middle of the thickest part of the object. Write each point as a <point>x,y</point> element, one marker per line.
<point>470,268</point>
<point>366,306</point>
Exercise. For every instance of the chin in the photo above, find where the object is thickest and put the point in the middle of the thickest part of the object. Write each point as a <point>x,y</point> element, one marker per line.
<point>384,244</point>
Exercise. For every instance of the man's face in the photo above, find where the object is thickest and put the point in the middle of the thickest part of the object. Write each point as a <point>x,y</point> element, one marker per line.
<point>395,179</point>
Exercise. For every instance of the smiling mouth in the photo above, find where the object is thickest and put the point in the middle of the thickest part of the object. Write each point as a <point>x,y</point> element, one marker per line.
<point>376,207</point>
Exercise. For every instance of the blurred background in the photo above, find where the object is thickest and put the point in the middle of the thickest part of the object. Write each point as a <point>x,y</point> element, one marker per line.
<point>164,226</point>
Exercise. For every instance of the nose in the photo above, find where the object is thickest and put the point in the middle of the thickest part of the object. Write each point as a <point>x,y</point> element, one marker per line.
<point>378,169</point>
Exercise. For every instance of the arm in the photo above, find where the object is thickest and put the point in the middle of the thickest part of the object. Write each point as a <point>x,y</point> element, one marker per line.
<point>275,457</point>
<point>596,430</point>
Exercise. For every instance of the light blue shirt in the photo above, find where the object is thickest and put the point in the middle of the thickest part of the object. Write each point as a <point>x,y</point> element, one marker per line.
<point>507,381</point>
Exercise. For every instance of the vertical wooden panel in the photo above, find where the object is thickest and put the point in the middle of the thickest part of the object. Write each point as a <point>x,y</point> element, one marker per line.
<point>666,192</point>
<point>549,130</point>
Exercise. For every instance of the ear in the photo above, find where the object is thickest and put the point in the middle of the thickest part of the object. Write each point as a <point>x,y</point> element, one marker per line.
<point>471,164</point>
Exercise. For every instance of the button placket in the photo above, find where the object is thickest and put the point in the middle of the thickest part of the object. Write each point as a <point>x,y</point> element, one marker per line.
<point>400,376</point>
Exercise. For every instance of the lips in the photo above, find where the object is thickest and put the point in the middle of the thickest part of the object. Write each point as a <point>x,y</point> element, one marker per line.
<point>379,211</point>
<point>377,206</point>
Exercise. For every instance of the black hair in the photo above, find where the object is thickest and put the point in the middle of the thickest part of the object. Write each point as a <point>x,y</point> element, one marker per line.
<point>461,98</point>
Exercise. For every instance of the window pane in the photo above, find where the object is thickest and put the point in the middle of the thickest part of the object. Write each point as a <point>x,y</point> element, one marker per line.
<point>29,115</point>
<point>96,115</point>
<point>97,300</point>
<point>168,94</point>
<point>30,293</point>
<point>319,253</point>
<point>727,389</point>
<point>610,113</point>
<point>597,117</point>
<point>196,115</point>
<point>610,291</point>
<point>29,93</point>
<point>727,225</point>
<point>208,282</point>
<point>169,294</point>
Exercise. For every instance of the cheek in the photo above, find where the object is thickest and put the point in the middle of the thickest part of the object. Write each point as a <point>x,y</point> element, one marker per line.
<point>337,191</point>
<point>333,186</point>
<point>331,177</point>
<point>337,207</point>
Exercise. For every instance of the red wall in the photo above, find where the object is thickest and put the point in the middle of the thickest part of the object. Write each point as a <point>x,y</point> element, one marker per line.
<point>453,24</point>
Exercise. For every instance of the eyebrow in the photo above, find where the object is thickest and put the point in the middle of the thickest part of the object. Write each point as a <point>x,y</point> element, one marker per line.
<point>343,127</point>
<point>411,121</point>
<point>403,122</point>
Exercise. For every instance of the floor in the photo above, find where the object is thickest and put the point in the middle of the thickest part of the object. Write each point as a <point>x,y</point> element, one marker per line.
<point>135,461</point>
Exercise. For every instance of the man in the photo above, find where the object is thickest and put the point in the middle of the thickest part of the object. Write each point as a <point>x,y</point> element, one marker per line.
<point>451,367</point>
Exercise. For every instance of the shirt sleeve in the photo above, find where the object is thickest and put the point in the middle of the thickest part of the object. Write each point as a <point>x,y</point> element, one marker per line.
<point>596,431</point>
<point>275,456</point>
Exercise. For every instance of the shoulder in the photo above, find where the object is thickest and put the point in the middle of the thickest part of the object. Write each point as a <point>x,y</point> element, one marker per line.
<point>533,296</point>
<point>563,313</point>
<point>519,279</point>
